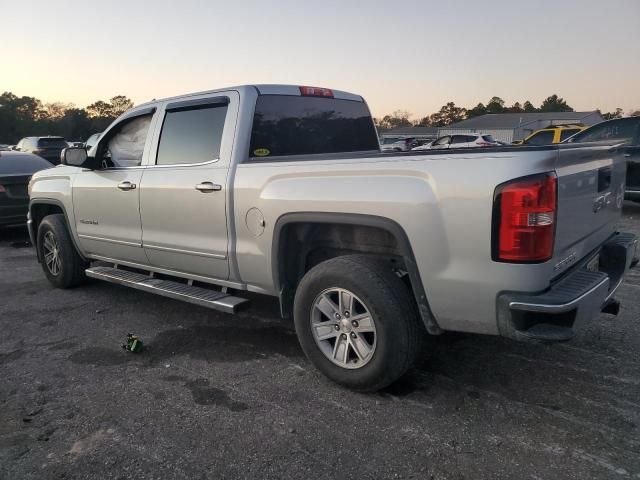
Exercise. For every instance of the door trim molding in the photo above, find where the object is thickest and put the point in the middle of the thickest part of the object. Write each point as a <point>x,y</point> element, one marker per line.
<point>180,250</point>
<point>110,240</point>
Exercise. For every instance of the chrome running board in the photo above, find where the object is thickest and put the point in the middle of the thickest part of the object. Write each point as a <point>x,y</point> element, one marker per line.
<point>167,288</point>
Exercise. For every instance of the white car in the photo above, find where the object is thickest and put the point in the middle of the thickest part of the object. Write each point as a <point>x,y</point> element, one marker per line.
<point>397,145</point>
<point>460,141</point>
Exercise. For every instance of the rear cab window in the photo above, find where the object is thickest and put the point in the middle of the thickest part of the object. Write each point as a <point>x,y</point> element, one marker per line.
<point>285,125</point>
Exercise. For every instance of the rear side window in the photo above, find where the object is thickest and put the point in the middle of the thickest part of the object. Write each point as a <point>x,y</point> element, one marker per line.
<point>544,137</point>
<point>52,142</point>
<point>191,135</point>
<point>488,138</point>
<point>292,125</point>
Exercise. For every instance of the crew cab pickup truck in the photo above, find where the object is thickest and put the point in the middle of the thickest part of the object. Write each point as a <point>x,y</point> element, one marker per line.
<point>282,190</point>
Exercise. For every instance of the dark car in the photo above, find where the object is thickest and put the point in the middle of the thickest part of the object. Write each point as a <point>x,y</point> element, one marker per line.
<point>619,130</point>
<point>16,169</point>
<point>48,148</point>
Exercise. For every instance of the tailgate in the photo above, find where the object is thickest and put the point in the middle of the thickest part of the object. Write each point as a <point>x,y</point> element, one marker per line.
<point>591,184</point>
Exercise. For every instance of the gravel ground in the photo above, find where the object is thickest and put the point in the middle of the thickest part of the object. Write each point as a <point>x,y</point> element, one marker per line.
<point>219,396</point>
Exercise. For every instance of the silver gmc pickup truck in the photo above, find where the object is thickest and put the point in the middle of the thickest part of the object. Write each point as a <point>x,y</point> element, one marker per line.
<point>282,190</point>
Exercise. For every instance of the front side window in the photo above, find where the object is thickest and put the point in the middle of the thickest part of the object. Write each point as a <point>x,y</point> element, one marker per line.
<point>442,141</point>
<point>191,135</point>
<point>301,125</point>
<point>544,137</point>
<point>126,146</point>
<point>566,133</point>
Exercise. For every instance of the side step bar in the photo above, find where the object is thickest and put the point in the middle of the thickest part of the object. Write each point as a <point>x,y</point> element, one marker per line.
<point>167,288</point>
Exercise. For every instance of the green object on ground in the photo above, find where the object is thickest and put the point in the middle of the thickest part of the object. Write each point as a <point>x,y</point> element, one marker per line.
<point>134,344</point>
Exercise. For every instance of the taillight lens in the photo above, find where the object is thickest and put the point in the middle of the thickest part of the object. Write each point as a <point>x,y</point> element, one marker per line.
<point>2,189</point>
<point>524,219</point>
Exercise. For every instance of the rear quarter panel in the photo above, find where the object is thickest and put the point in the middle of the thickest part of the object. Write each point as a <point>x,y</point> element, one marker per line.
<point>443,201</point>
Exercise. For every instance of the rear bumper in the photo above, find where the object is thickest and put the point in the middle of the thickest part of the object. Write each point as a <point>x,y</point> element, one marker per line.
<point>574,299</point>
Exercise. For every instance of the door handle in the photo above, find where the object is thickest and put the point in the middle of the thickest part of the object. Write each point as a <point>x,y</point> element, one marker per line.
<point>627,155</point>
<point>206,187</point>
<point>127,186</point>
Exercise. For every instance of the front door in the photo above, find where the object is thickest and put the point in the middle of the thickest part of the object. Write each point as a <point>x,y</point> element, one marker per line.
<point>106,201</point>
<point>183,195</point>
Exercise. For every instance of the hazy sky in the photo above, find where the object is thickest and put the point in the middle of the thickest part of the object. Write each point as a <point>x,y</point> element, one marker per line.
<point>410,55</point>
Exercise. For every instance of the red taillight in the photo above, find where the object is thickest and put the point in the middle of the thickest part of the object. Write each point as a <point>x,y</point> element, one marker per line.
<point>316,92</point>
<point>525,219</point>
<point>2,189</point>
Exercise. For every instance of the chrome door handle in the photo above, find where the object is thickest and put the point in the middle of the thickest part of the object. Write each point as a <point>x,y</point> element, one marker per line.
<point>127,186</point>
<point>206,187</point>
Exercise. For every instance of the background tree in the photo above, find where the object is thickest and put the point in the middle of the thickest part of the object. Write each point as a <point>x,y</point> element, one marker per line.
<point>515,108</point>
<point>448,114</point>
<point>611,115</point>
<point>528,107</point>
<point>555,104</point>
<point>495,105</point>
<point>476,111</point>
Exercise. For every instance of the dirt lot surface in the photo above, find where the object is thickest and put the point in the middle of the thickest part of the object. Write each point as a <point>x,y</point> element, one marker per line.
<point>220,396</point>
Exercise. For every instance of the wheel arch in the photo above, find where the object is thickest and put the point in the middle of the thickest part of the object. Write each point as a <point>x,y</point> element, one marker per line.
<point>291,225</point>
<point>39,208</point>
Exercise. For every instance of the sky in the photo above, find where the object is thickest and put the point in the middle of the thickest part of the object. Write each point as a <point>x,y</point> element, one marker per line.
<point>400,55</point>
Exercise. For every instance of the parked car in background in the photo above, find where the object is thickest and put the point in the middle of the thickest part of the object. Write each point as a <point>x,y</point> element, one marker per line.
<point>469,140</point>
<point>620,130</point>
<point>92,140</point>
<point>400,145</point>
<point>75,144</point>
<point>4,147</point>
<point>48,148</point>
<point>16,169</point>
<point>551,135</point>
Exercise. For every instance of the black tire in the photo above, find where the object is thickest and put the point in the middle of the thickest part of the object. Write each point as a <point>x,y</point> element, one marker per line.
<point>70,271</point>
<point>399,332</point>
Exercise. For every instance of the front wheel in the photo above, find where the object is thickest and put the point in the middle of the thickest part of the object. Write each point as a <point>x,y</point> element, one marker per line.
<point>61,264</point>
<point>357,322</point>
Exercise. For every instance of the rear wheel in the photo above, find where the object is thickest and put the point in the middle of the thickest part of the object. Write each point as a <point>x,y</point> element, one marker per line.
<point>357,322</point>
<point>60,261</point>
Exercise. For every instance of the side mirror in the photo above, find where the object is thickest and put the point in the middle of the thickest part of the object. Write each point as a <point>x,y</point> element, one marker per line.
<point>74,156</point>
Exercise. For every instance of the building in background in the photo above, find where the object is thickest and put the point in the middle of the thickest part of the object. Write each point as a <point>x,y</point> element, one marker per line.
<point>509,127</point>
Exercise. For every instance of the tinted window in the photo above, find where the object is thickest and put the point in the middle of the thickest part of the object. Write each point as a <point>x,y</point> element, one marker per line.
<point>614,130</point>
<point>54,142</point>
<point>191,136</point>
<point>459,139</point>
<point>564,134</point>
<point>291,125</point>
<point>389,140</point>
<point>488,138</point>
<point>541,138</point>
<point>21,163</point>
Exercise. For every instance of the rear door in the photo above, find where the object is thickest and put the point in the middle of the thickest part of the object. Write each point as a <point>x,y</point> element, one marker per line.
<point>183,192</point>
